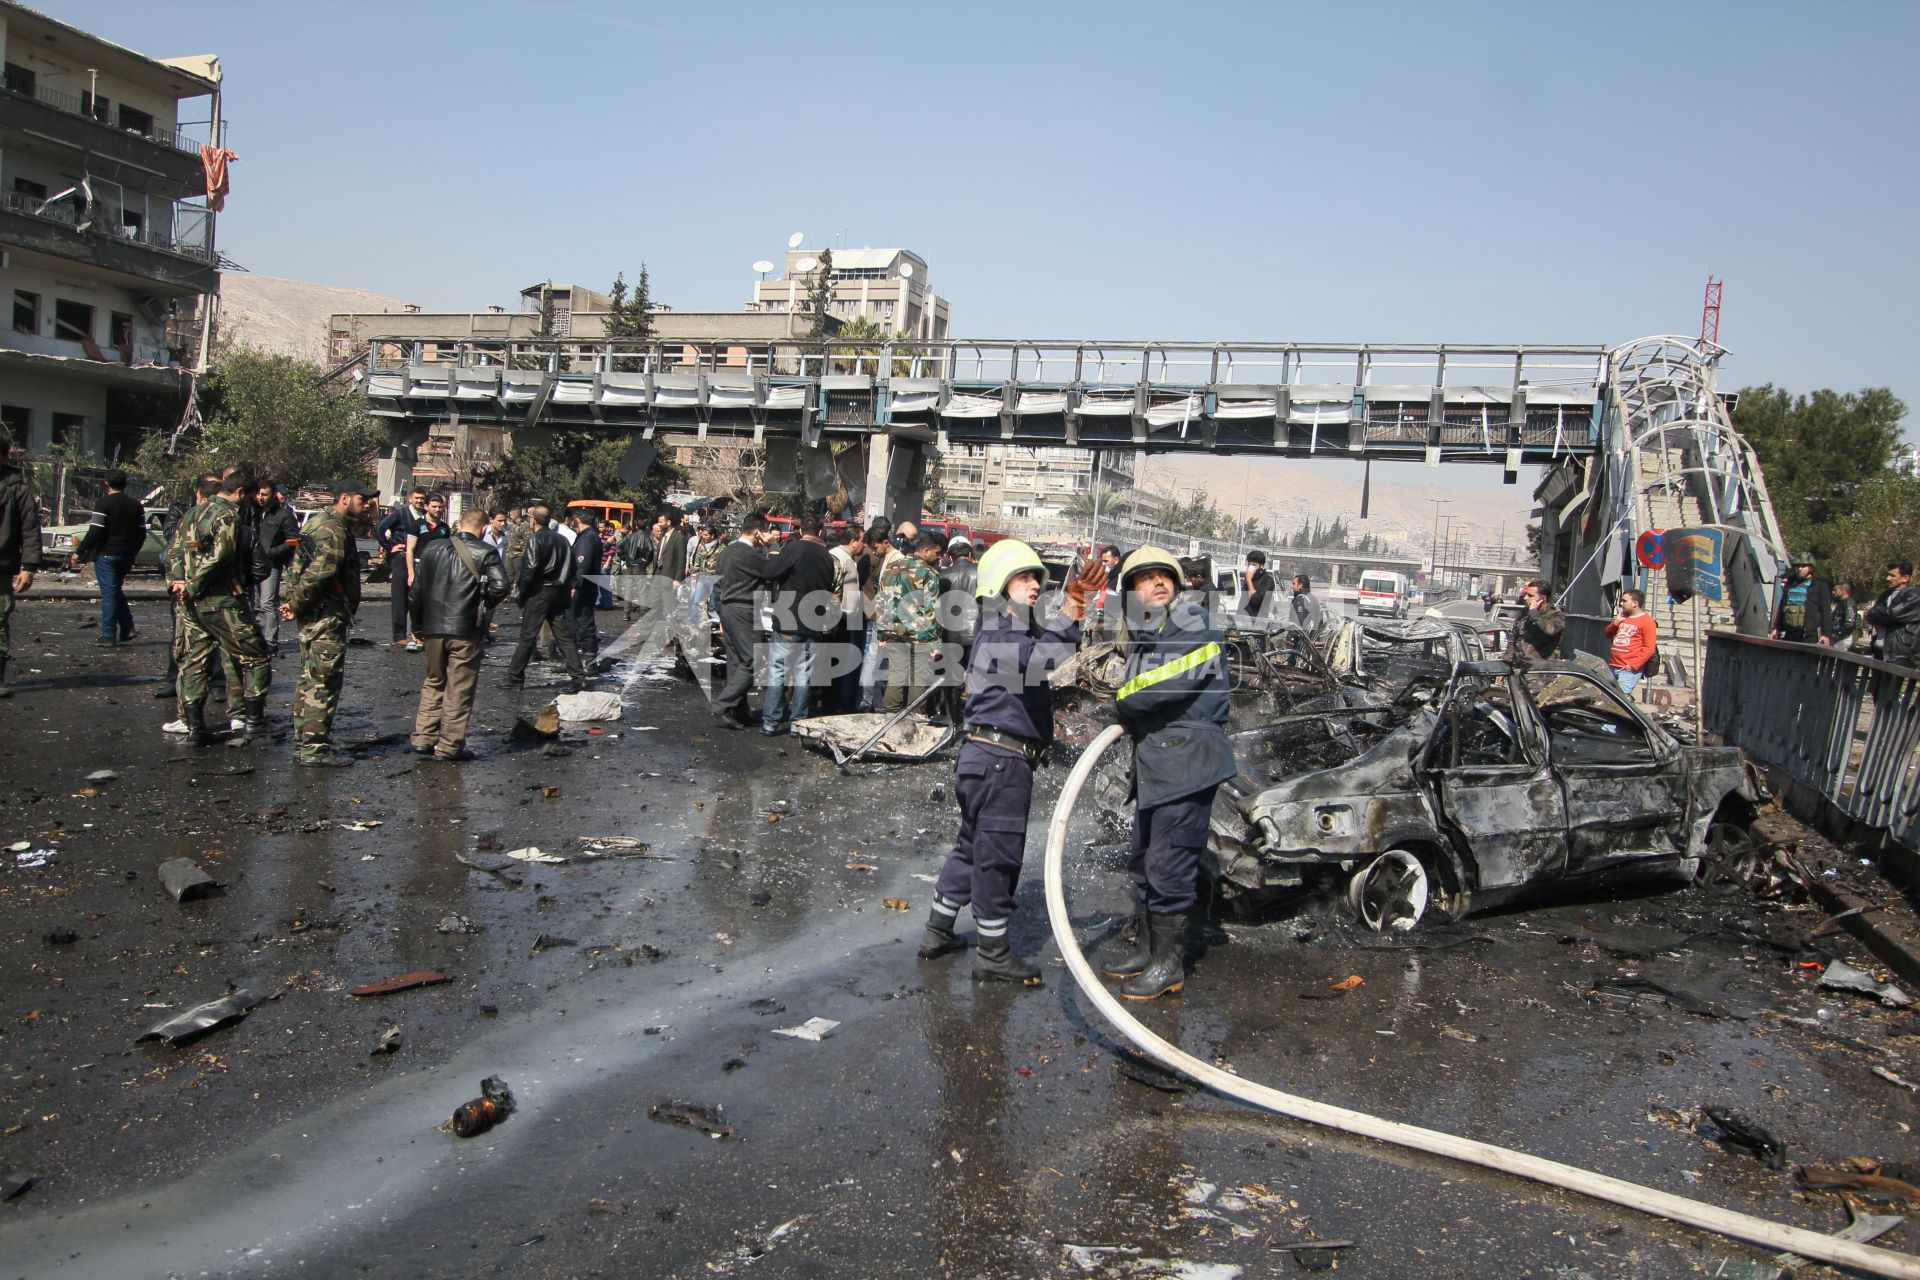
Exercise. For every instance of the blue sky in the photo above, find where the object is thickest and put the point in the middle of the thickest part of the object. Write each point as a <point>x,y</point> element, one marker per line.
<point>1432,172</point>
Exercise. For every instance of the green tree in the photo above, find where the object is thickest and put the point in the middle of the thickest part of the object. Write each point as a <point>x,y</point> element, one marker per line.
<point>630,317</point>
<point>856,347</point>
<point>820,297</point>
<point>578,464</point>
<point>1080,505</point>
<point>1817,451</point>
<point>270,412</point>
<point>1882,524</point>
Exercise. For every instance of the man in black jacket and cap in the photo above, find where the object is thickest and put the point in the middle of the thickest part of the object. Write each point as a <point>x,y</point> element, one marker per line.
<point>586,553</point>
<point>455,579</point>
<point>742,569</point>
<point>546,577</point>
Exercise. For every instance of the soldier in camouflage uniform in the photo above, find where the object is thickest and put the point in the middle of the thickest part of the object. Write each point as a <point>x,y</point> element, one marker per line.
<point>184,627</point>
<point>906,607</point>
<point>322,594</point>
<point>211,584</point>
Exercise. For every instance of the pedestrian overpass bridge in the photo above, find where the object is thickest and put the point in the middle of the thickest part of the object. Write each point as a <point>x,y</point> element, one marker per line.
<point>1634,437</point>
<point>1506,405</point>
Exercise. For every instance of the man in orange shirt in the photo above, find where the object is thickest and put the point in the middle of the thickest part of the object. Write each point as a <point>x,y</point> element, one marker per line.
<point>1632,630</point>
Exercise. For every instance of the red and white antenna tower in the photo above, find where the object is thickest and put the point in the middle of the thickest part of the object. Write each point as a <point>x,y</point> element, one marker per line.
<point>1710,313</point>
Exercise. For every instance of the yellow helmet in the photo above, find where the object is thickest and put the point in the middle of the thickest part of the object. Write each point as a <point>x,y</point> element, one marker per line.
<point>1004,560</point>
<point>1150,558</point>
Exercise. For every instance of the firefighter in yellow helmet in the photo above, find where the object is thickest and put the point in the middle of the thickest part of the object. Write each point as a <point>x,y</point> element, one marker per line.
<point>1173,702</point>
<point>1008,724</point>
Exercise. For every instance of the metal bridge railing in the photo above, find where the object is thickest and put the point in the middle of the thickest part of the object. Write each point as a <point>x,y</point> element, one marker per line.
<point>1845,726</point>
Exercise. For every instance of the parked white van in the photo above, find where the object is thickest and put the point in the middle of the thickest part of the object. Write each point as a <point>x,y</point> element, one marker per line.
<point>1382,593</point>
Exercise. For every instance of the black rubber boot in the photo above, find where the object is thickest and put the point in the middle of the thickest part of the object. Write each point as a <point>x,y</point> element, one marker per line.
<point>195,714</point>
<point>939,939</point>
<point>1133,962</point>
<point>1167,972</point>
<point>253,717</point>
<point>995,962</point>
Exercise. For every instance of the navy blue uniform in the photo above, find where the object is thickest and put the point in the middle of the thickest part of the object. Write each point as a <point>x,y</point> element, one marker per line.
<point>1007,691</point>
<point>1173,701</point>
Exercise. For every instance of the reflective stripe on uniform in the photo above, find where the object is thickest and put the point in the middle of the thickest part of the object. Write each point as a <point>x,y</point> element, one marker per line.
<point>1179,666</point>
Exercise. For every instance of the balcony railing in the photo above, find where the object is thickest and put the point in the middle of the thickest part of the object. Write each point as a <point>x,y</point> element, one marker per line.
<point>77,105</point>
<point>188,241</point>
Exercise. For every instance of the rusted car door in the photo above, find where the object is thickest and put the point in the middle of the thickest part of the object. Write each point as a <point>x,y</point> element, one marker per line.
<point>1488,772</point>
<point>1625,785</point>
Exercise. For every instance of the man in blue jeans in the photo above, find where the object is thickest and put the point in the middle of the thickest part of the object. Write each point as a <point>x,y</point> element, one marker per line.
<point>114,538</point>
<point>806,604</point>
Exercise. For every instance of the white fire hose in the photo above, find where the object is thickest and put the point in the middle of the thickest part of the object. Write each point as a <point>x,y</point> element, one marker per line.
<point>1707,1217</point>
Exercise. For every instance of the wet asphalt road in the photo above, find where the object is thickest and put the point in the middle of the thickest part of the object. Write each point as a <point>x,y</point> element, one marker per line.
<point>942,1130</point>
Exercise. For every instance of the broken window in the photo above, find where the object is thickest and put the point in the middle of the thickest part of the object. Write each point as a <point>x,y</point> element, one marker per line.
<point>66,429</point>
<point>18,420</point>
<point>1586,723</point>
<point>1479,729</point>
<point>28,187</point>
<point>17,79</point>
<point>135,120</point>
<point>120,331</point>
<point>72,321</point>
<point>92,104</point>
<point>26,312</point>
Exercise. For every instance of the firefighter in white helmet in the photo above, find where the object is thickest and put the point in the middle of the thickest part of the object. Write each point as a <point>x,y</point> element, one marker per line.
<point>1008,723</point>
<point>1173,699</point>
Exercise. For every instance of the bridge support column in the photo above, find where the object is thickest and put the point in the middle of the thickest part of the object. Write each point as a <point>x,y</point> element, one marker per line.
<point>393,470</point>
<point>897,476</point>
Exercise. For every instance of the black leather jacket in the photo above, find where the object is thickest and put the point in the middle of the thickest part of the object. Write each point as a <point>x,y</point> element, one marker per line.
<point>446,597</point>
<point>959,611</point>
<point>548,563</point>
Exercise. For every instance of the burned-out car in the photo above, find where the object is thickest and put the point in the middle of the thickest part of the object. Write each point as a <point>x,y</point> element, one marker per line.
<point>1516,780</point>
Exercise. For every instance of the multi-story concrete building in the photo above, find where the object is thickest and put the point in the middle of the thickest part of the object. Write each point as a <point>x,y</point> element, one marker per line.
<point>886,286</point>
<point>579,318</point>
<point>996,482</point>
<point>106,234</point>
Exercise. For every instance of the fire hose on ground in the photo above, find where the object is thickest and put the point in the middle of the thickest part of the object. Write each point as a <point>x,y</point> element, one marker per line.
<point>1693,1213</point>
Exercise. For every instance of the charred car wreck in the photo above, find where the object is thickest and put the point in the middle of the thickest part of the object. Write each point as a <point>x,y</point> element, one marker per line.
<point>1390,765</point>
<point>1514,781</point>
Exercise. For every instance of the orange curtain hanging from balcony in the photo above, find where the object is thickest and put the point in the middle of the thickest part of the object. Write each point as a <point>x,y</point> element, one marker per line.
<point>215,161</point>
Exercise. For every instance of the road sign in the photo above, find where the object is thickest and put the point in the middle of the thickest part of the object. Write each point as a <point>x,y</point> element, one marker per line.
<point>1649,550</point>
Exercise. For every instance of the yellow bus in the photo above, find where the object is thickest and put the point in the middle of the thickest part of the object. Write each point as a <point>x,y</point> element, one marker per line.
<point>620,513</point>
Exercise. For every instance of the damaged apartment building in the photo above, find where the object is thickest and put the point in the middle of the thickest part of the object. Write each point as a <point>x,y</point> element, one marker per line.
<point>107,210</point>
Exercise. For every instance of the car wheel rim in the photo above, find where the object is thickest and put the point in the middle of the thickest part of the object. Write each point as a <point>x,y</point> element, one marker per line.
<point>1389,894</point>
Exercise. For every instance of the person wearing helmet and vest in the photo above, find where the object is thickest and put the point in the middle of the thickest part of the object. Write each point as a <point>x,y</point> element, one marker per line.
<point>1173,702</point>
<point>1008,723</point>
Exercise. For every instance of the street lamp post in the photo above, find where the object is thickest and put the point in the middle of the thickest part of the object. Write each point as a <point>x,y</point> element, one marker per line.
<point>1433,540</point>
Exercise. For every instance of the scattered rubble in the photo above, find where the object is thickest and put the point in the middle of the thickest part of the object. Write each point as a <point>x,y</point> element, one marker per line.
<point>700,1117</point>
<point>812,1029</point>
<point>203,1018</point>
<point>186,880</point>
<point>404,982</point>
<point>494,1105</point>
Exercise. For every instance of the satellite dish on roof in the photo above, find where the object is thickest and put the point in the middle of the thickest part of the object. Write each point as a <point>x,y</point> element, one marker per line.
<point>906,271</point>
<point>797,239</point>
<point>763,266</point>
<point>805,265</point>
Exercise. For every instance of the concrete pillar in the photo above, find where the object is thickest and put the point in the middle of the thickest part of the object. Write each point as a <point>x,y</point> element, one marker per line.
<point>393,472</point>
<point>879,459</point>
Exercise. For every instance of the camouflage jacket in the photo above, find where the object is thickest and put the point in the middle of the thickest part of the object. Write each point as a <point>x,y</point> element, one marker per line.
<point>207,551</point>
<point>906,604</point>
<point>518,532</point>
<point>325,575</point>
<point>701,559</point>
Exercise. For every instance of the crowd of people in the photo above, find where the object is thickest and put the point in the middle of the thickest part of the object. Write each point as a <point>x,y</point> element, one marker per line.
<point>845,619</point>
